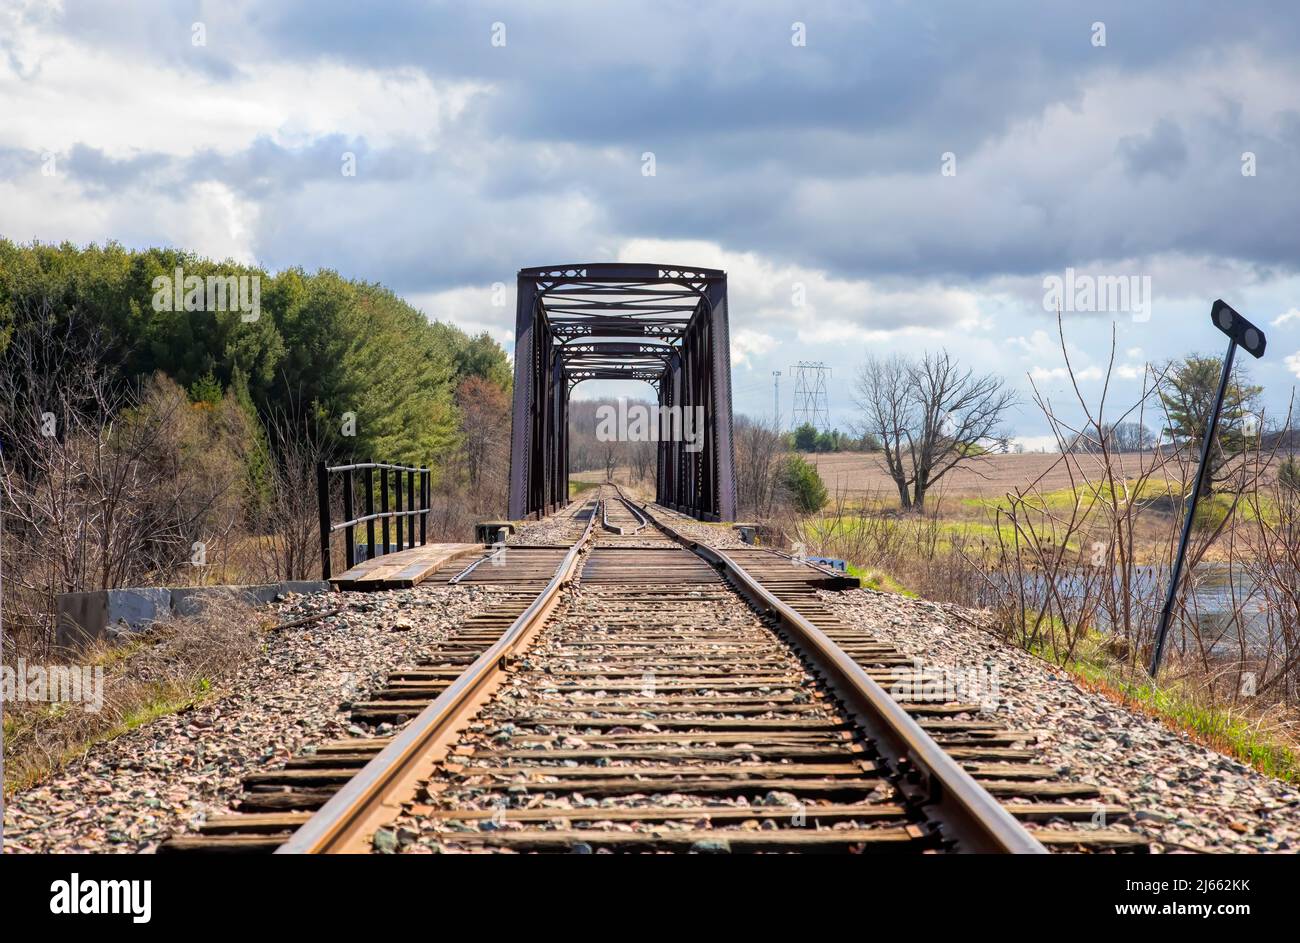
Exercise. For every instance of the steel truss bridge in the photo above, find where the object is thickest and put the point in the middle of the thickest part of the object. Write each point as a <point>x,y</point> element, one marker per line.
<point>665,325</point>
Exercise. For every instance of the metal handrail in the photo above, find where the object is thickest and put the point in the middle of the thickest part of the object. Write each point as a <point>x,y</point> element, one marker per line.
<point>377,516</point>
<point>409,514</point>
<point>365,465</point>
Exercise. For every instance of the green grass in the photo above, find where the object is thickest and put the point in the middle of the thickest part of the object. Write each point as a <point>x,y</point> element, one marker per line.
<point>880,581</point>
<point>1062,500</point>
<point>161,705</point>
<point>1209,511</point>
<point>578,487</point>
<point>161,701</point>
<point>1224,729</point>
<point>951,533</point>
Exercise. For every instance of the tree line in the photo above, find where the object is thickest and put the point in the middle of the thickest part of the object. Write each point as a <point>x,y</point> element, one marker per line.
<point>147,439</point>
<point>322,346</point>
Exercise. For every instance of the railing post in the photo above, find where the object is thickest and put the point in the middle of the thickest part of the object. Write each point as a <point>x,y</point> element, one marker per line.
<point>397,506</point>
<point>1211,433</point>
<point>424,505</point>
<point>369,479</point>
<point>410,503</point>
<point>323,499</point>
<point>349,535</point>
<point>383,505</point>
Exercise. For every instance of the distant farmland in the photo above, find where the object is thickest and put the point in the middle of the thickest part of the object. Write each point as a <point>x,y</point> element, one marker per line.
<point>859,475</point>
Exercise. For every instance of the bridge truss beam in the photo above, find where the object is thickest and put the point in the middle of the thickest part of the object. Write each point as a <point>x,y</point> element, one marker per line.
<point>664,325</point>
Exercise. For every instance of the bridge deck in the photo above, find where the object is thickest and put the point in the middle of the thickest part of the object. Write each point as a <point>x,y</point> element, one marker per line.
<point>404,569</point>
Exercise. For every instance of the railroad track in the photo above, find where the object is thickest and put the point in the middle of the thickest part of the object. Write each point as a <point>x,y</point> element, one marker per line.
<point>638,692</point>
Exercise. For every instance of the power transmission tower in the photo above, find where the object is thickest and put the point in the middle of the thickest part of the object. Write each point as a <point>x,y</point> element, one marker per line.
<point>811,401</point>
<point>776,398</point>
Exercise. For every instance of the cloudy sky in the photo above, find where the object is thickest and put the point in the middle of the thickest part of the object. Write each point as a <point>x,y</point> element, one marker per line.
<point>913,171</point>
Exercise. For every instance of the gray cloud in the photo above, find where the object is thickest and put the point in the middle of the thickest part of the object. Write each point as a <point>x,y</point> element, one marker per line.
<point>825,157</point>
<point>1162,151</point>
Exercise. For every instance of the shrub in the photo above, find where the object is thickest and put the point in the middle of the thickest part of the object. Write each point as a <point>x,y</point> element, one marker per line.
<point>804,486</point>
<point>1288,473</point>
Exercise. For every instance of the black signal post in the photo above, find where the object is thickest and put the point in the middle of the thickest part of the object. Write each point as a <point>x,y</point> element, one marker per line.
<point>1241,333</point>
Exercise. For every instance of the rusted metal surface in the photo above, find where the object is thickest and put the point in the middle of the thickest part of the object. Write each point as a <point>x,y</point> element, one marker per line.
<point>686,695</point>
<point>965,812</point>
<point>342,823</point>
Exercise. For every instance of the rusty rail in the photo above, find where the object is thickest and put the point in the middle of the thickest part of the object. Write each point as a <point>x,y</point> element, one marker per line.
<point>964,810</point>
<point>964,815</point>
<point>359,804</point>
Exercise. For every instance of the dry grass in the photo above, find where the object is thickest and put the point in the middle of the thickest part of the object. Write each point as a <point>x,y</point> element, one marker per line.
<point>167,669</point>
<point>862,476</point>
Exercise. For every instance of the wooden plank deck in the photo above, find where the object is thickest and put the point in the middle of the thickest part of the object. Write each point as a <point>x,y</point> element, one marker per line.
<point>404,569</point>
<point>774,569</point>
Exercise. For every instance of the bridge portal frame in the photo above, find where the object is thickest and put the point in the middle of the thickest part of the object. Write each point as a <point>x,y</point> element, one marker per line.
<point>663,324</point>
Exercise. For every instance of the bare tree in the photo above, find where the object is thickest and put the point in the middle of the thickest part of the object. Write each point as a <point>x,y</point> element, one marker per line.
<point>641,458</point>
<point>288,513</point>
<point>759,447</point>
<point>1130,437</point>
<point>887,413</point>
<point>930,416</point>
<point>485,423</point>
<point>611,454</point>
<point>103,485</point>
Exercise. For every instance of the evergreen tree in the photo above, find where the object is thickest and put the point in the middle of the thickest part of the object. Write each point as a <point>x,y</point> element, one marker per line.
<point>1188,394</point>
<point>805,438</point>
<point>804,485</point>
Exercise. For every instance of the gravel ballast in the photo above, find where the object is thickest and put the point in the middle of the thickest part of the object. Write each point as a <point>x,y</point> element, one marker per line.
<point>1182,795</point>
<point>129,793</point>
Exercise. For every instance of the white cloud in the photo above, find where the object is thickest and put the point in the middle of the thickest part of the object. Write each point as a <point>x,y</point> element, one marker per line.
<point>745,342</point>
<point>470,308</point>
<point>73,92</point>
<point>214,221</point>
<point>820,307</point>
<point>1293,363</point>
<point>1061,373</point>
<point>1036,443</point>
<point>1039,350</point>
<point>209,217</point>
<point>1292,315</point>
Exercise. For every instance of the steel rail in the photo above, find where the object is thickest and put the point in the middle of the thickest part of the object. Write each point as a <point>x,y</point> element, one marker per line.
<point>604,519</point>
<point>636,512</point>
<point>343,820</point>
<point>966,813</point>
<point>473,566</point>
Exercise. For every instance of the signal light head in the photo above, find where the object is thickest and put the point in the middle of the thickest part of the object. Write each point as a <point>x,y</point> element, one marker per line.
<point>1230,322</point>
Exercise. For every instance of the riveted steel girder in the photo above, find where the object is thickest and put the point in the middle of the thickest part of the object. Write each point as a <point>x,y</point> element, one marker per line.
<point>663,324</point>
